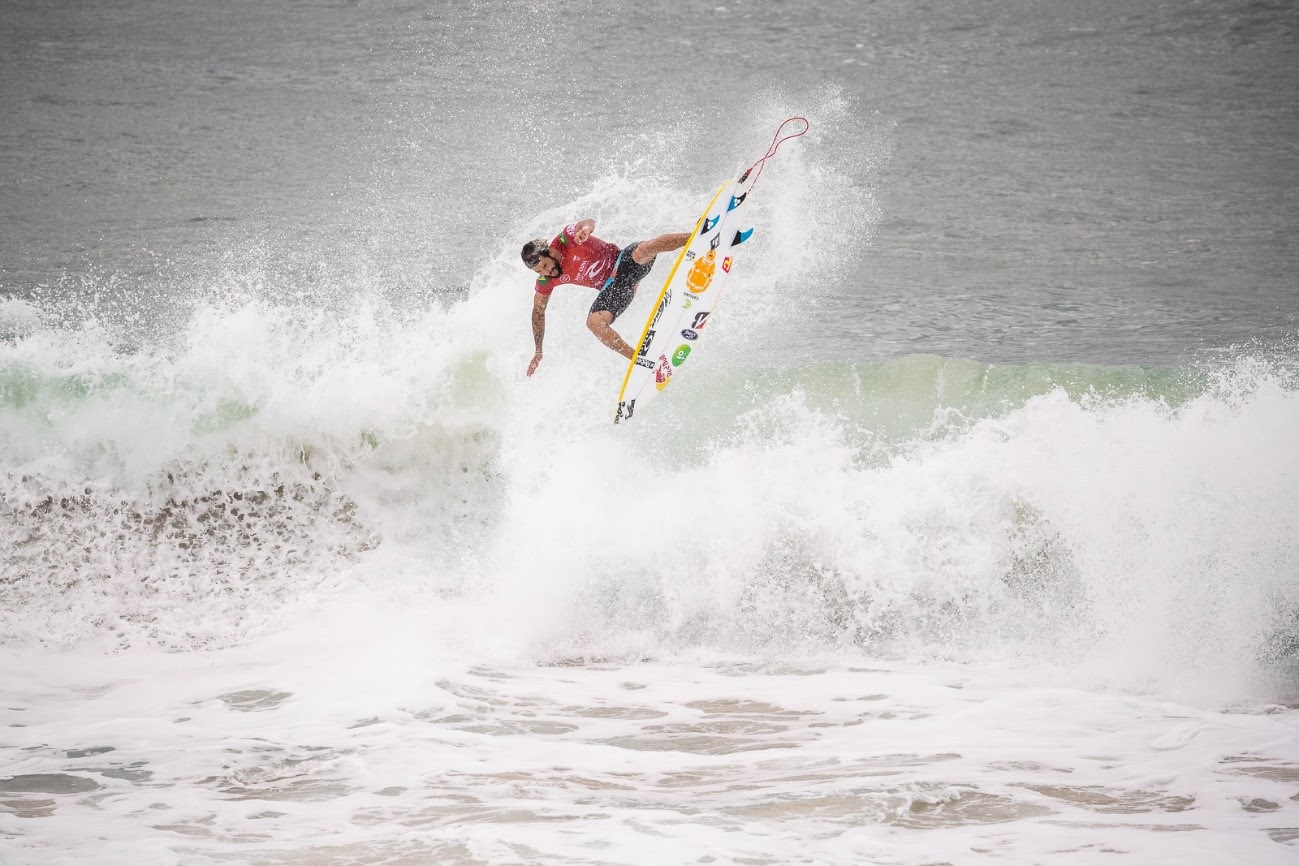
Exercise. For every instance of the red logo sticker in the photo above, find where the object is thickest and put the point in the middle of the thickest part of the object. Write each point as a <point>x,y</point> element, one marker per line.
<point>662,373</point>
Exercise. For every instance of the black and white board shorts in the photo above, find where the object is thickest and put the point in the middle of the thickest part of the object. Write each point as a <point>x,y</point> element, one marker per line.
<point>618,290</point>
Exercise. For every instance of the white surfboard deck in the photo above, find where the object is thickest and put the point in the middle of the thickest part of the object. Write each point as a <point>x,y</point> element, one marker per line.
<point>679,319</point>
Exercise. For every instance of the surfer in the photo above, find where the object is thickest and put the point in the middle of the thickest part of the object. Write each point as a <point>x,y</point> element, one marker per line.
<point>576,256</point>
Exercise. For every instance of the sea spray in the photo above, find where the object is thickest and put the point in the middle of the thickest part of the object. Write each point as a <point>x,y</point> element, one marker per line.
<point>1144,518</point>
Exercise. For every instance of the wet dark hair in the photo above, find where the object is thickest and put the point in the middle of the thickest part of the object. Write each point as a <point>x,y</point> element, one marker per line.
<point>533,250</point>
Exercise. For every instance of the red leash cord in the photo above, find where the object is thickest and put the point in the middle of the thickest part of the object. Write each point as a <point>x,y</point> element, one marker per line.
<point>776,141</point>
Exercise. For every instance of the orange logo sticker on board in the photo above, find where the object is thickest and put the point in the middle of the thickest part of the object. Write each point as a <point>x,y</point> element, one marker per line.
<point>701,275</point>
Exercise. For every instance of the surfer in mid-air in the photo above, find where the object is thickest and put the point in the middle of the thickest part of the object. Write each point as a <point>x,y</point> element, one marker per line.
<point>576,256</point>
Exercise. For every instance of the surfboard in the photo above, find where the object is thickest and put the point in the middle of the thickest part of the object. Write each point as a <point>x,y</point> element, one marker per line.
<point>680,315</point>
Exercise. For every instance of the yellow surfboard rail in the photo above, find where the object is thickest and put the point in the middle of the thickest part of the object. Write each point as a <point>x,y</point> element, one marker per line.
<point>681,256</point>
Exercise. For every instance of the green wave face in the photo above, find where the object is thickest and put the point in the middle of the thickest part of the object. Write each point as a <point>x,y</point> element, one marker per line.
<point>902,398</point>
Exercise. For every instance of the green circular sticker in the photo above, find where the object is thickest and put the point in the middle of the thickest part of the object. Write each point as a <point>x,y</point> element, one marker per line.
<point>680,355</point>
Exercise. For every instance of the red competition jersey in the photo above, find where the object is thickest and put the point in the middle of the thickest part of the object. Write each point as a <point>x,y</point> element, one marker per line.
<point>588,264</point>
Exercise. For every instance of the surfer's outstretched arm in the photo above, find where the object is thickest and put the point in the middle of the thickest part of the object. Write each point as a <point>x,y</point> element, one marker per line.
<point>646,250</point>
<point>583,230</point>
<point>539,302</point>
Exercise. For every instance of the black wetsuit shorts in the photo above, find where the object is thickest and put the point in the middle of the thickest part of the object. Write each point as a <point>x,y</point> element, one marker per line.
<point>618,290</point>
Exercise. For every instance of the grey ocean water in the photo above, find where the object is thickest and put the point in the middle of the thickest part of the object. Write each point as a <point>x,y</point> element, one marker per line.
<point>1066,181</point>
<point>967,535</point>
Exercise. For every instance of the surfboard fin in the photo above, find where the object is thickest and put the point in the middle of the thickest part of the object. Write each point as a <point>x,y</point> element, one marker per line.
<point>736,200</point>
<point>741,237</point>
<point>710,223</point>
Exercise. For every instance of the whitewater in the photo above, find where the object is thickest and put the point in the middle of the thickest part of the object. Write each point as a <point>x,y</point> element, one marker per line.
<point>312,586</point>
<point>968,536</point>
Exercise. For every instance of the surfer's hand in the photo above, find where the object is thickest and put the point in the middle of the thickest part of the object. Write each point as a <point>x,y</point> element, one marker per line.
<point>536,359</point>
<point>584,229</point>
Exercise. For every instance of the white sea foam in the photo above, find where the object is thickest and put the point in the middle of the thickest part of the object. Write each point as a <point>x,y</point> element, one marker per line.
<point>412,616</point>
<point>304,750</point>
<point>181,494</point>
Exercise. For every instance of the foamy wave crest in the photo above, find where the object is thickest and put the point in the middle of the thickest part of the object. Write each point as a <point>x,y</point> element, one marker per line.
<point>182,495</point>
<point>1144,520</point>
<point>188,494</point>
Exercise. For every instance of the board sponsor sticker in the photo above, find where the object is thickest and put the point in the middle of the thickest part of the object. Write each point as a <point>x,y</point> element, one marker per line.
<point>662,372</point>
<point>663,305</point>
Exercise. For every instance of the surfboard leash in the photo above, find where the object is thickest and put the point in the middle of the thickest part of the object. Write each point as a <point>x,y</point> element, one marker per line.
<point>776,141</point>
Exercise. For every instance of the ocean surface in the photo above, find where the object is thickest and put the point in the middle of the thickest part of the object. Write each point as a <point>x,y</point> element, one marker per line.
<point>970,535</point>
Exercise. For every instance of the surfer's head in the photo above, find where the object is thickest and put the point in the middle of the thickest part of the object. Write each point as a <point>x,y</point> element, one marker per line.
<point>540,260</point>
